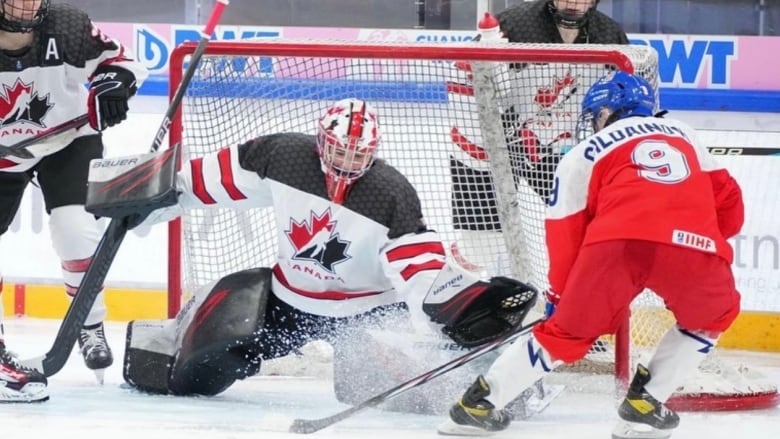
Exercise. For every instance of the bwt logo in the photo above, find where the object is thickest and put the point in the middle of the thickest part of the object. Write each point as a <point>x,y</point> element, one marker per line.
<point>153,50</point>
<point>690,62</point>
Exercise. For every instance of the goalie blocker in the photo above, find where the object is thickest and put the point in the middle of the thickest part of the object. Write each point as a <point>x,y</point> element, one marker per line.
<point>132,187</point>
<point>217,338</point>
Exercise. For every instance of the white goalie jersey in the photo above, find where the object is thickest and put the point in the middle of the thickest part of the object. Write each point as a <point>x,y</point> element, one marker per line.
<point>333,260</point>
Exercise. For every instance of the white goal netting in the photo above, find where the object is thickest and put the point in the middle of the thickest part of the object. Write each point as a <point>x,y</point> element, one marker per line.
<point>444,110</point>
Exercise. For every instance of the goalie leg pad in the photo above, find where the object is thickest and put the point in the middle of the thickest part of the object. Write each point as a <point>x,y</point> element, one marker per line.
<point>219,343</point>
<point>210,344</point>
<point>149,355</point>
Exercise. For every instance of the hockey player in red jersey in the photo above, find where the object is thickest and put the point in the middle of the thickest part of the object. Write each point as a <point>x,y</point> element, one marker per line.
<point>353,249</point>
<point>48,54</point>
<point>538,120</point>
<point>638,204</point>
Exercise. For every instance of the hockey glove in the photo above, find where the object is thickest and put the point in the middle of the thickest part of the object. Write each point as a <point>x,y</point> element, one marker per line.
<point>109,92</point>
<point>552,301</point>
<point>483,311</point>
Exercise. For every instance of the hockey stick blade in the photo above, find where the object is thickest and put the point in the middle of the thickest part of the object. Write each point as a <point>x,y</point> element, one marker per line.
<point>92,283</point>
<point>19,149</point>
<point>308,426</point>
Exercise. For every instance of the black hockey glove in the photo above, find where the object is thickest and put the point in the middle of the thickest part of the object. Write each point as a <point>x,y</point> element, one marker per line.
<point>109,92</point>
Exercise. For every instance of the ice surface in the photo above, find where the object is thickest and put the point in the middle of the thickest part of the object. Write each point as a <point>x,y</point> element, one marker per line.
<point>263,407</point>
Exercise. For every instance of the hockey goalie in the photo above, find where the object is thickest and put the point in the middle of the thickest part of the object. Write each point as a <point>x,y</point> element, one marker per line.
<point>356,267</point>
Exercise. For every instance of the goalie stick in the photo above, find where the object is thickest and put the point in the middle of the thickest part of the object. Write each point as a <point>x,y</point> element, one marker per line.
<point>19,149</point>
<point>307,426</point>
<point>52,361</point>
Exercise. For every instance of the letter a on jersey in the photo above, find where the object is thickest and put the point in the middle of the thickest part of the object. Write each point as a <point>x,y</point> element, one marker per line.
<point>315,239</point>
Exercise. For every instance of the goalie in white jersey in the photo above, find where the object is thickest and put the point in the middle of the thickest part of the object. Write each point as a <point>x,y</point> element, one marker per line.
<point>353,250</point>
<point>47,55</point>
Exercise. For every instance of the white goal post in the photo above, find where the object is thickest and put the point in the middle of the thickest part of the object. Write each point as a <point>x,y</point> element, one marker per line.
<point>443,108</point>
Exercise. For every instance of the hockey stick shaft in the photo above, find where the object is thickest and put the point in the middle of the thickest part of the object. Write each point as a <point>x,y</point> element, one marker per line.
<point>92,283</point>
<point>307,426</point>
<point>740,151</point>
<point>20,150</point>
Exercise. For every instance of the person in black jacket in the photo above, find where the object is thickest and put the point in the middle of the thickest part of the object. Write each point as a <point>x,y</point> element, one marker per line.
<point>535,130</point>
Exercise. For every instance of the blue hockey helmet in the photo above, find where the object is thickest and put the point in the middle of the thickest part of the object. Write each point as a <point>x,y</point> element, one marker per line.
<point>622,94</point>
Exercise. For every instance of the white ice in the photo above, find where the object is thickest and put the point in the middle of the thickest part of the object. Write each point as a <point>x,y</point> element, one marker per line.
<point>264,406</point>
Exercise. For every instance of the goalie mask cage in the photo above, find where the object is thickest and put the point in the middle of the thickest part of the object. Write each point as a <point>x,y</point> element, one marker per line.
<point>444,109</point>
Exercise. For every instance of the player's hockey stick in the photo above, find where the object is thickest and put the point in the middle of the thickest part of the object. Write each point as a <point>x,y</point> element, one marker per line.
<point>92,283</point>
<point>20,150</point>
<point>741,151</point>
<point>307,426</point>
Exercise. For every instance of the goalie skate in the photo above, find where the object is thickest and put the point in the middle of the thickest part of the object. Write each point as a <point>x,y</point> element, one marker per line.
<point>19,383</point>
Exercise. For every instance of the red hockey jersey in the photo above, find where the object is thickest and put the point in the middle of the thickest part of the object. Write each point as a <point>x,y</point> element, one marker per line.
<point>640,178</point>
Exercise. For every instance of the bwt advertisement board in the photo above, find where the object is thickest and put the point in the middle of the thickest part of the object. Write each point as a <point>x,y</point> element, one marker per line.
<point>697,72</point>
<point>685,61</point>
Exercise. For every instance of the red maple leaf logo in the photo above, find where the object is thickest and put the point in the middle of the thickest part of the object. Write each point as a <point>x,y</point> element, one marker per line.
<point>10,96</point>
<point>303,234</point>
<point>547,96</point>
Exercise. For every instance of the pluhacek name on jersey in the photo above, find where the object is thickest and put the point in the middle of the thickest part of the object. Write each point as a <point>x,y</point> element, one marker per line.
<point>600,143</point>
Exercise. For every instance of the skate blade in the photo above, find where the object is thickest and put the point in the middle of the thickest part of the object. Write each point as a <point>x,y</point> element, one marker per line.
<point>100,375</point>
<point>31,392</point>
<point>450,428</point>
<point>635,430</point>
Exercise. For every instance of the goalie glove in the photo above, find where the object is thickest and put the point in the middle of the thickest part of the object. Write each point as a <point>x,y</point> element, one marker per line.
<point>483,312</point>
<point>109,92</point>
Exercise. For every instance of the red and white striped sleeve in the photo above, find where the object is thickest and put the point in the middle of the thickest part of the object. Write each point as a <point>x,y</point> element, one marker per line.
<point>218,180</point>
<point>412,262</point>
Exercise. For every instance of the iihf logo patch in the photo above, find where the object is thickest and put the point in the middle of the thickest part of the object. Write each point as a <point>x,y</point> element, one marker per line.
<point>688,239</point>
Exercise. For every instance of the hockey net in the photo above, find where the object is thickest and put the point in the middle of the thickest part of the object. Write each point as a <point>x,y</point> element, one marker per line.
<point>444,110</point>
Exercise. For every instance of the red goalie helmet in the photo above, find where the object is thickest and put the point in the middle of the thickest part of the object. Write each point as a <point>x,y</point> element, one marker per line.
<point>347,138</point>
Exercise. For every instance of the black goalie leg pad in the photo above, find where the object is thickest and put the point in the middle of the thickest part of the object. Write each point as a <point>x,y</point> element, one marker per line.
<point>149,354</point>
<point>211,343</point>
<point>219,344</point>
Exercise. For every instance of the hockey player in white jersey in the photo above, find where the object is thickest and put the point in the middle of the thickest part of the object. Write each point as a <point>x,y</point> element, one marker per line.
<point>47,54</point>
<point>353,251</point>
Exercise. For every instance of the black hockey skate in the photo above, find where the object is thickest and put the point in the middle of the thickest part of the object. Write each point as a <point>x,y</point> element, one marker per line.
<point>642,415</point>
<point>19,383</point>
<point>473,415</point>
<point>94,348</point>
